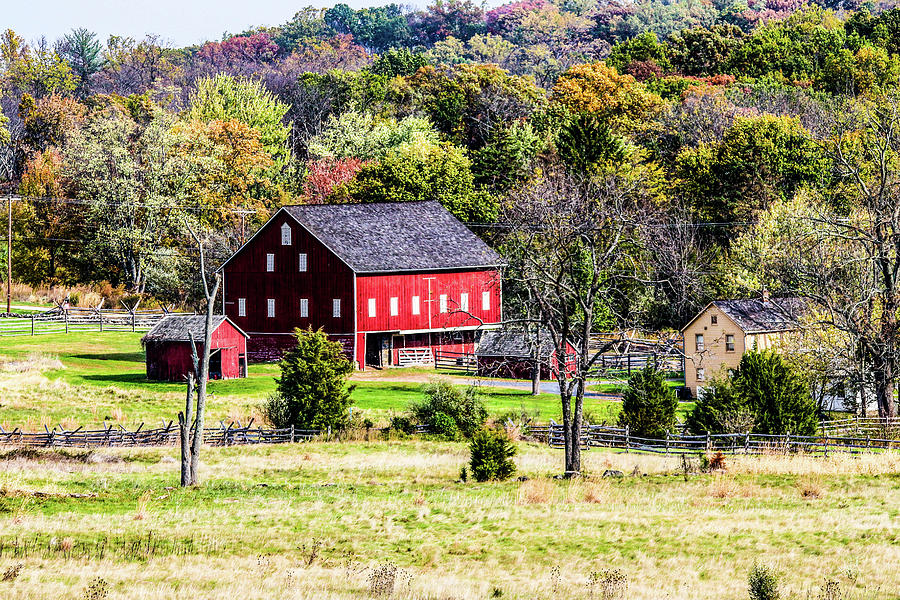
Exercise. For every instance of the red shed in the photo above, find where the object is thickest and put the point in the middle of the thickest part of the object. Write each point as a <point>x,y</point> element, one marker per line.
<point>168,348</point>
<point>510,353</point>
<point>394,282</point>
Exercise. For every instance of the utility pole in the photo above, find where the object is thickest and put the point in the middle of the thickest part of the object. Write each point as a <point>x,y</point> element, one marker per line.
<point>9,256</point>
<point>242,213</point>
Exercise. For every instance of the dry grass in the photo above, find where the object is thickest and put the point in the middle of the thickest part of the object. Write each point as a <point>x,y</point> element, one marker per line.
<point>810,487</point>
<point>536,491</point>
<point>35,362</point>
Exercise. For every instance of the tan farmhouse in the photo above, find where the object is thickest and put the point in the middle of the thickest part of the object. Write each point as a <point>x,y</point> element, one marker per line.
<point>720,334</point>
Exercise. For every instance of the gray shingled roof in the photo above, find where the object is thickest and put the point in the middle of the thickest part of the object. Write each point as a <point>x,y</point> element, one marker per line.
<point>513,343</point>
<point>756,315</point>
<point>395,236</point>
<point>175,328</point>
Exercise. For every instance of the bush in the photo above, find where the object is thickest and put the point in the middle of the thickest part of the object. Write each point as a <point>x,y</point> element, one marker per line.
<point>465,409</point>
<point>648,405</point>
<point>444,426</point>
<point>491,456</point>
<point>763,584</point>
<point>312,390</point>
<point>764,394</point>
<point>403,424</point>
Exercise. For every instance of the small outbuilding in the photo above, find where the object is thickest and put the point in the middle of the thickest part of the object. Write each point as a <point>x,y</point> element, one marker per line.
<point>510,354</point>
<point>168,348</point>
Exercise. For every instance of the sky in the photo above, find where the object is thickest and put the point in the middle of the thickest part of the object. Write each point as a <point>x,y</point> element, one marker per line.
<point>180,22</point>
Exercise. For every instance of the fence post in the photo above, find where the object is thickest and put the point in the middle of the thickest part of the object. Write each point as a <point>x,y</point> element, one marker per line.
<point>627,439</point>
<point>66,317</point>
<point>747,442</point>
<point>708,443</point>
<point>292,434</point>
<point>32,324</point>
<point>667,443</point>
<point>787,442</point>
<point>826,445</point>
<point>868,441</point>
<point>132,321</point>
<point>101,320</point>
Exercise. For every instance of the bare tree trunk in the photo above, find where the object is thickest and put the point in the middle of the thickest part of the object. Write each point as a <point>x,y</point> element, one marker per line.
<point>204,379</point>
<point>184,425</point>
<point>883,374</point>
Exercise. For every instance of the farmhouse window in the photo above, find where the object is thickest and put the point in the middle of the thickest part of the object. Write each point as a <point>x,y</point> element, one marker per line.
<point>371,307</point>
<point>242,307</point>
<point>729,342</point>
<point>303,262</point>
<point>464,302</point>
<point>485,301</point>
<point>395,306</point>
<point>698,341</point>
<point>270,262</point>
<point>270,306</point>
<point>714,319</point>
<point>443,303</point>
<point>701,374</point>
<point>336,307</point>
<point>416,307</point>
<point>304,307</point>
<point>285,235</point>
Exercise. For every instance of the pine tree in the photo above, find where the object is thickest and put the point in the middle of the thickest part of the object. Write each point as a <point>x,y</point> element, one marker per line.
<point>648,405</point>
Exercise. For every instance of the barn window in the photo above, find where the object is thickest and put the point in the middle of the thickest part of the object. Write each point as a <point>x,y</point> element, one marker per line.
<point>371,307</point>
<point>270,307</point>
<point>304,307</point>
<point>285,235</point>
<point>303,262</point>
<point>416,305</point>
<point>485,301</point>
<point>270,262</point>
<point>242,307</point>
<point>464,302</point>
<point>336,307</point>
<point>395,306</point>
<point>443,303</point>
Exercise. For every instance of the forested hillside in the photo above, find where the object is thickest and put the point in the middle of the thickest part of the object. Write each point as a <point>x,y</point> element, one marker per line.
<point>717,123</point>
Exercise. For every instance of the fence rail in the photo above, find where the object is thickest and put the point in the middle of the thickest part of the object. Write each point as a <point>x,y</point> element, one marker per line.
<point>78,319</point>
<point>886,427</point>
<point>462,362</point>
<point>167,435</point>
<point>599,436</point>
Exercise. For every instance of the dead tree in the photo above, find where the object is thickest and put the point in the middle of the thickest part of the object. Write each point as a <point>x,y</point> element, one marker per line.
<point>191,442</point>
<point>569,245</point>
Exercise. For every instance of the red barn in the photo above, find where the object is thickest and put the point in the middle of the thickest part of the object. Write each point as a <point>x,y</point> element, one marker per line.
<point>393,282</point>
<point>510,353</point>
<point>168,348</point>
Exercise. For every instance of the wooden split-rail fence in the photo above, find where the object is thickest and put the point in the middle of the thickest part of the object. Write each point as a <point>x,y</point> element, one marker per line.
<point>73,320</point>
<point>601,436</point>
<point>167,435</point>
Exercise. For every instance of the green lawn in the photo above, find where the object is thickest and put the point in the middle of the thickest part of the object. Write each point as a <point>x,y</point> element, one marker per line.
<point>104,380</point>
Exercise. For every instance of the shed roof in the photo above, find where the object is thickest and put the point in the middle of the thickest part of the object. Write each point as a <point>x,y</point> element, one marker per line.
<point>180,328</point>
<point>395,236</point>
<point>514,343</point>
<point>755,315</point>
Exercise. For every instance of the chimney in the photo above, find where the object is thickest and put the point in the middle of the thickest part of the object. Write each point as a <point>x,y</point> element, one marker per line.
<point>765,295</point>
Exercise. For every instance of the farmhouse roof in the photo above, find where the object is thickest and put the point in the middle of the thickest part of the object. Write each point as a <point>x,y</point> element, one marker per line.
<point>180,328</point>
<point>514,343</point>
<point>757,315</point>
<point>395,236</point>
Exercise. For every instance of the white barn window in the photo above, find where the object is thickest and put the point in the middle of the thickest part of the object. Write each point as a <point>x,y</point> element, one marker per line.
<point>443,303</point>
<point>464,302</point>
<point>304,307</point>
<point>303,262</point>
<point>270,307</point>
<point>395,306</point>
<point>285,235</point>
<point>416,305</point>
<point>270,262</point>
<point>485,301</point>
<point>242,307</point>
<point>371,307</point>
<point>336,307</point>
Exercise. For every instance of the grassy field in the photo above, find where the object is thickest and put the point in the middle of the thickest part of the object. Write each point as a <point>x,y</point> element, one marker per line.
<point>102,379</point>
<point>326,521</point>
